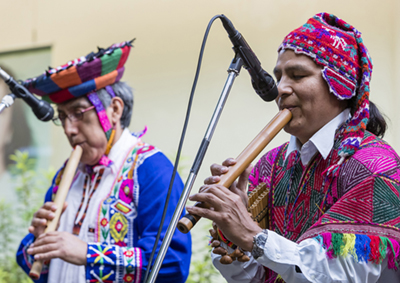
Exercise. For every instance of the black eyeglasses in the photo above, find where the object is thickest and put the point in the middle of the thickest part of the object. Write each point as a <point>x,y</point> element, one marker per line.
<point>73,117</point>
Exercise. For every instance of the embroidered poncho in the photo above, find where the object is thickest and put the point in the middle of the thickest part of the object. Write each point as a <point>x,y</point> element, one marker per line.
<point>356,210</point>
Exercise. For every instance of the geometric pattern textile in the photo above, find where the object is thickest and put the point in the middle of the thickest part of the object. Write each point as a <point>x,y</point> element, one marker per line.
<point>362,200</point>
<point>119,262</point>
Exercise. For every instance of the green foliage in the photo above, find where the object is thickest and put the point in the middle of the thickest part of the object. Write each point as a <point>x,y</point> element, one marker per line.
<point>202,271</point>
<point>29,186</point>
<point>7,230</point>
<point>12,273</point>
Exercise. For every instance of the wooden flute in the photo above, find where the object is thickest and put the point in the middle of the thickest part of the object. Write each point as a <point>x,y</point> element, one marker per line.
<point>61,195</point>
<point>242,161</point>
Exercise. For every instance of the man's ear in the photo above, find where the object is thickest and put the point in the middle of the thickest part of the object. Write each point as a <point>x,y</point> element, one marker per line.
<point>117,106</point>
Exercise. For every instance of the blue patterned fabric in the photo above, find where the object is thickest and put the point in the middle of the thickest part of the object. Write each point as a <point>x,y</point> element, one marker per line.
<point>128,227</point>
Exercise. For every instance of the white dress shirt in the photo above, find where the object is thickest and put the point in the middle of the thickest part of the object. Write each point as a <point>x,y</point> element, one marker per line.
<point>322,141</point>
<point>282,255</point>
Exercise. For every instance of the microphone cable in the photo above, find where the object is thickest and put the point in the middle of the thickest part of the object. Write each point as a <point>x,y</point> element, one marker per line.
<point>189,107</point>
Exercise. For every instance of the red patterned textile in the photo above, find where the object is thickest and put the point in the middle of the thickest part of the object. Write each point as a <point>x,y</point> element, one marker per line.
<point>362,199</point>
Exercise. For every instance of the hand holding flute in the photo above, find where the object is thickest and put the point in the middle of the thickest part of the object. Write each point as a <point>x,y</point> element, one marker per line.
<point>238,187</point>
<point>49,243</point>
<point>229,209</point>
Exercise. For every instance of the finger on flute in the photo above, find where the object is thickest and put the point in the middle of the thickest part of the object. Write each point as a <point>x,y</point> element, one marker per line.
<point>61,195</point>
<point>246,157</point>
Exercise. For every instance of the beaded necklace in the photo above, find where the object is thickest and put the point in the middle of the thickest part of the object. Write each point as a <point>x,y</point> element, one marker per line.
<point>87,183</point>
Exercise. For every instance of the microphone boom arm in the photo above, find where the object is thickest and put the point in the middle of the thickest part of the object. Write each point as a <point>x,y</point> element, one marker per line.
<point>234,70</point>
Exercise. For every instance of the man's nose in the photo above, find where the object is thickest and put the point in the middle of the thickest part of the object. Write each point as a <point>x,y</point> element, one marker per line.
<point>70,128</point>
<point>284,89</point>
<point>284,86</point>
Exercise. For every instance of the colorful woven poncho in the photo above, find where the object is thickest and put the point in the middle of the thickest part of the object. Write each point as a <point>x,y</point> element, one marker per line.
<point>356,211</point>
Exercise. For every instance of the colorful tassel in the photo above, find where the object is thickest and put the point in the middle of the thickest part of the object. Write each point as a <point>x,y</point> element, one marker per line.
<point>362,247</point>
<point>337,243</point>
<point>375,255</point>
<point>328,241</point>
<point>320,240</point>
<point>393,254</point>
<point>383,247</point>
<point>349,243</point>
<point>327,237</point>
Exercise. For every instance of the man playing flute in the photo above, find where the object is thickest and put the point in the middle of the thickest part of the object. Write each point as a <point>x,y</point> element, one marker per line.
<point>333,207</point>
<point>114,206</point>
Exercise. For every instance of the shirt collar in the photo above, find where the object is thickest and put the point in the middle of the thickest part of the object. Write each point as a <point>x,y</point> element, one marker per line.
<point>322,141</point>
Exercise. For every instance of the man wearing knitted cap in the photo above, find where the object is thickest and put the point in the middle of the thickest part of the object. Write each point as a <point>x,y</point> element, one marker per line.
<point>114,206</point>
<point>333,206</point>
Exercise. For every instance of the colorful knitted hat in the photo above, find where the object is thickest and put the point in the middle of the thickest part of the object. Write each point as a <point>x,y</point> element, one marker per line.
<point>338,47</point>
<point>83,76</point>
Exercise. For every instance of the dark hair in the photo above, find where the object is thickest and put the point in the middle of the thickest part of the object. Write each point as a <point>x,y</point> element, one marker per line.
<point>376,123</point>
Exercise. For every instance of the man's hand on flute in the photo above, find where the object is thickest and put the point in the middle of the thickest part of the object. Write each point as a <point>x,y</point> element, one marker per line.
<point>54,244</point>
<point>239,187</point>
<point>61,245</point>
<point>228,206</point>
<point>40,218</point>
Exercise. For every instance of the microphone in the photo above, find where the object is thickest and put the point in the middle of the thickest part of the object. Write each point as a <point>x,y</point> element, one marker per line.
<point>41,108</point>
<point>262,82</point>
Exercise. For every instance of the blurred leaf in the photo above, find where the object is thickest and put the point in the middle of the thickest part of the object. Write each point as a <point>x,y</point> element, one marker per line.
<point>30,186</point>
<point>203,271</point>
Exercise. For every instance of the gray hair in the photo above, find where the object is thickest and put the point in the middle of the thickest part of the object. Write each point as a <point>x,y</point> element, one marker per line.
<point>123,91</point>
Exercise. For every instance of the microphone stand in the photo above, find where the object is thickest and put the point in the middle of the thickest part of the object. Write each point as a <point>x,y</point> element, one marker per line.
<point>233,72</point>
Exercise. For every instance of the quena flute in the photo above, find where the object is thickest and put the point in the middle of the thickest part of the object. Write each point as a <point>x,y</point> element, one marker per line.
<point>61,195</point>
<point>243,161</point>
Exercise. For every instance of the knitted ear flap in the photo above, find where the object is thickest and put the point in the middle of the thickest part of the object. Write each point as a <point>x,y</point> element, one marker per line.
<point>338,47</point>
<point>339,85</point>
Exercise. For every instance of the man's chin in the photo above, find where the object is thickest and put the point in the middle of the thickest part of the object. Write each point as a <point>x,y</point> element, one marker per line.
<point>289,129</point>
<point>293,129</point>
<point>90,160</point>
